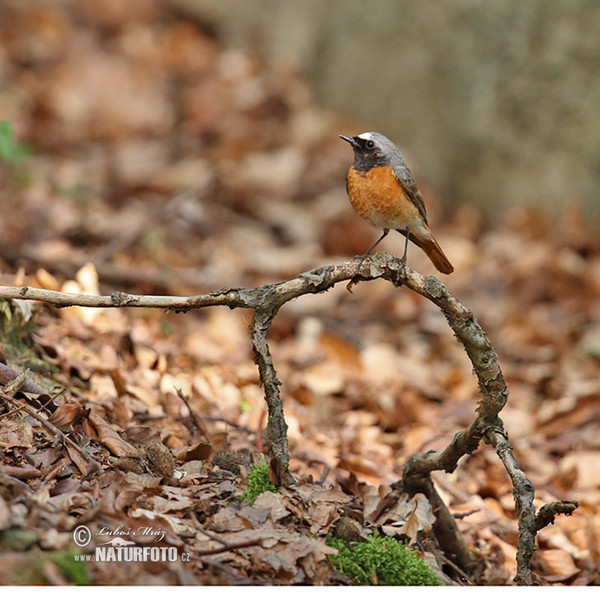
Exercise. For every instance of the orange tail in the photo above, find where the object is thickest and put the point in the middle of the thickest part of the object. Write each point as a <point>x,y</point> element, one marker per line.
<point>436,254</point>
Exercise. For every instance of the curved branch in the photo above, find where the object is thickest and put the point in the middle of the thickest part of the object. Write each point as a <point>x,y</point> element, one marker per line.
<point>266,302</point>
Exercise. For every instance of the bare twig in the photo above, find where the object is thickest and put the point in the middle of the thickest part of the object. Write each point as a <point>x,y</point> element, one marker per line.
<point>227,548</point>
<point>230,423</point>
<point>545,516</point>
<point>7,375</point>
<point>26,472</point>
<point>193,416</point>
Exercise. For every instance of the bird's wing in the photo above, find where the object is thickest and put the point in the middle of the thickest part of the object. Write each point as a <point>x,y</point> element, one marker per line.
<point>404,176</point>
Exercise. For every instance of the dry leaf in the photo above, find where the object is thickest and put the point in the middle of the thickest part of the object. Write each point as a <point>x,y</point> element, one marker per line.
<point>273,503</point>
<point>143,436</point>
<point>558,562</point>
<point>4,514</point>
<point>67,415</point>
<point>200,451</point>
<point>585,466</point>
<point>409,517</point>
<point>110,438</point>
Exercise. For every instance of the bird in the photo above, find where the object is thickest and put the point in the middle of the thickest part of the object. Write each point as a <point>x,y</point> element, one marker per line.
<point>383,192</point>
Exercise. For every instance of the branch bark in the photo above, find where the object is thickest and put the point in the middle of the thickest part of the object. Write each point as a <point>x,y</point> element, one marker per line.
<point>487,425</point>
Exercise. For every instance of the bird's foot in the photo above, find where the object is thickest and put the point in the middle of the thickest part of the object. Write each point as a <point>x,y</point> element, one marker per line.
<point>357,276</point>
<point>401,272</point>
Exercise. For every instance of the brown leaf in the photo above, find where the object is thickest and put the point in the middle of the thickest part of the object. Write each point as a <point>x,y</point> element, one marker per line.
<point>322,516</point>
<point>16,434</point>
<point>4,514</point>
<point>144,436</point>
<point>558,562</point>
<point>67,415</point>
<point>295,547</point>
<point>110,438</point>
<point>371,501</point>
<point>78,459</point>
<point>117,378</point>
<point>24,472</point>
<point>584,467</point>
<point>273,503</point>
<point>191,470</point>
<point>227,519</point>
<point>410,516</point>
<point>200,451</point>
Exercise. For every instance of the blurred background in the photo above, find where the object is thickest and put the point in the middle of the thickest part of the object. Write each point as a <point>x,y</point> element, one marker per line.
<point>496,102</point>
<point>180,146</point>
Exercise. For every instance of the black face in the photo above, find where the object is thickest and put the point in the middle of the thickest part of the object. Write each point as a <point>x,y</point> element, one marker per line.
<point>367,153</point>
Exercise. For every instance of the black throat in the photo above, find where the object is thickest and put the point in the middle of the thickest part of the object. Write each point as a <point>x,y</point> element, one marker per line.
<point>365,161</point>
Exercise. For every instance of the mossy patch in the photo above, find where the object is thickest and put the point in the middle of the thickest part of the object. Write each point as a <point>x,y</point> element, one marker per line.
<point>258,482</point>
<point>381,561</point>
<point>30,571</point>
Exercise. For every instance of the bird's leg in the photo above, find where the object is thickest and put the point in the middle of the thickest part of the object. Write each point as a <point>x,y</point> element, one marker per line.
<point>385,232</point>
<point>406,233</point>
<point>354,280</point>
<point>403,259</point>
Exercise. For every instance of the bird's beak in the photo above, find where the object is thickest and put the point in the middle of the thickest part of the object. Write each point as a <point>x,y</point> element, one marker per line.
<point>350,140</point>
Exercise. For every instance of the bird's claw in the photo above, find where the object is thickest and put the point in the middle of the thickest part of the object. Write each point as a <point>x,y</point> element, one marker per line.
<point>401,272</point>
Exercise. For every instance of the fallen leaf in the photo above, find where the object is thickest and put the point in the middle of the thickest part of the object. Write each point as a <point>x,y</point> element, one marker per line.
<point>273,503</point>
<point>67,415</point>
<point>584,466</point>
<point>110,438</point>
<point>409,517</point>
<point>200,451</point>
<point>4,514</point>
<point>558,562</point>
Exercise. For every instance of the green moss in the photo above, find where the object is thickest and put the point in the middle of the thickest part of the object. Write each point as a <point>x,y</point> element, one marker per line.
<point>29,570</point>
<point>15,330</point>
<point>258,482</point>
<point>381,561</point>
<point>13,154</point>
<point>73,571</point>
<point>11,151</point>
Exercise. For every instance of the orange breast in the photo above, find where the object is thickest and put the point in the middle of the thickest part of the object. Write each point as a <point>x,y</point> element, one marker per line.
<point>378,197</point>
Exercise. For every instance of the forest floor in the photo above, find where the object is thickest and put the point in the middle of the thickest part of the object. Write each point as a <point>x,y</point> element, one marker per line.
<point>159,163</point>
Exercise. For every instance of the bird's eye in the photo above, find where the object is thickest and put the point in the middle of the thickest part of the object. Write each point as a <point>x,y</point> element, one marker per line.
<point>370,144</point>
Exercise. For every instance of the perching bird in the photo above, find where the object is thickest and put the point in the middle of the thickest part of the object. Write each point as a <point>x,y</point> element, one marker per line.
<point>382,191</point>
